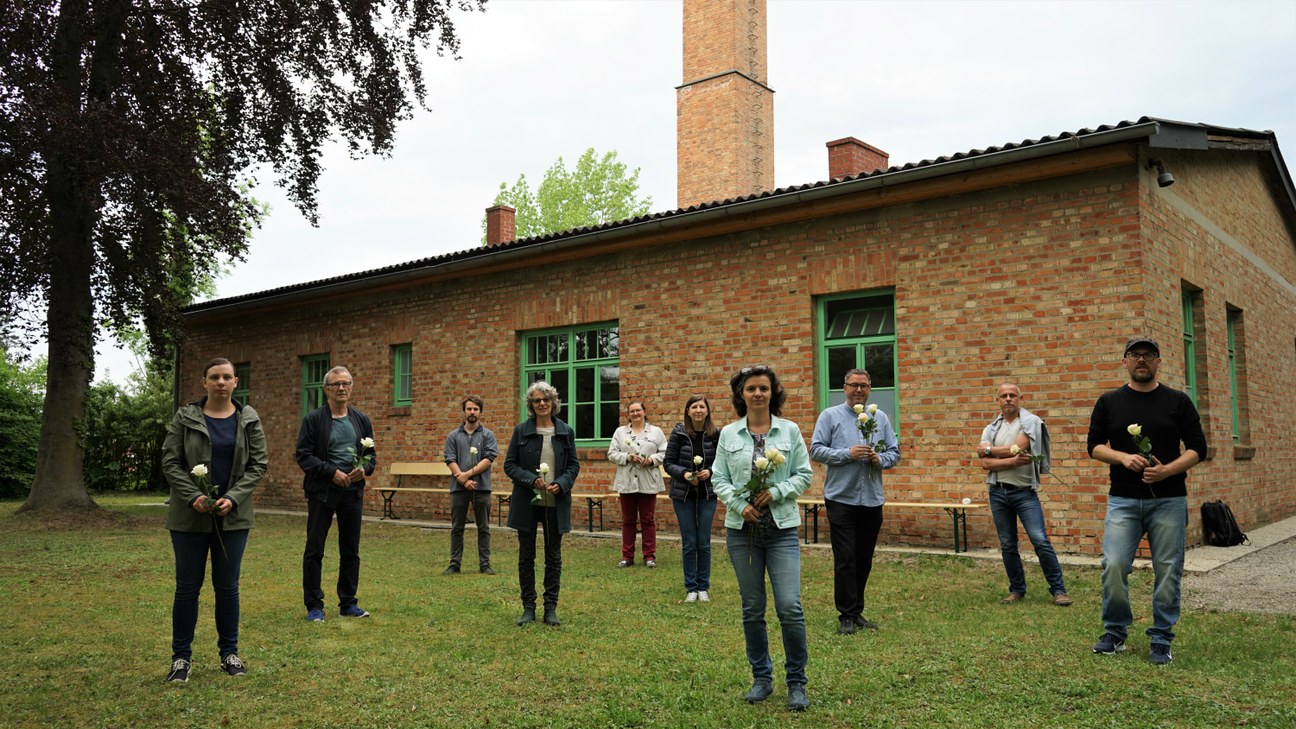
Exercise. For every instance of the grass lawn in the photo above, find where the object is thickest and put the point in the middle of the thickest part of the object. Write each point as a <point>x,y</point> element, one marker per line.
<point>85,641</point>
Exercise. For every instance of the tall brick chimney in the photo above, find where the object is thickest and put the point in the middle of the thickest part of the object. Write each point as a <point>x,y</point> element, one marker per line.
<point>500,224</point>
<point>724,110</point>
<point>850,156</point>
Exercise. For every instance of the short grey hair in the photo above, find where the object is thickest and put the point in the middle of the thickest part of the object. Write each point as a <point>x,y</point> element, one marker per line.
<point>337,371</point>
<point>540,387</point>
<point>855,371</point>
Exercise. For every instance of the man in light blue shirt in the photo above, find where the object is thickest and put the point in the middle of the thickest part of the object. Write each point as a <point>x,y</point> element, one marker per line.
<point>853,492</point>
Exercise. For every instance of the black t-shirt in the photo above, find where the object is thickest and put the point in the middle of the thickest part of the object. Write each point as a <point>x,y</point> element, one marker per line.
<point>1168,418</point>
<point>222,432</point>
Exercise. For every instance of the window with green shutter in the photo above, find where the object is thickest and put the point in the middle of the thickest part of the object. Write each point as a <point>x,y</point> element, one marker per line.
<point>402,374</point>
<point>314,367</point>
<point>243,372</point>
<point>583,363</point>
<point>858,331</point>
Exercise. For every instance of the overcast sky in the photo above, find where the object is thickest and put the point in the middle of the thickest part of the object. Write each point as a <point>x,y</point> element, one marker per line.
<point>540,79</point>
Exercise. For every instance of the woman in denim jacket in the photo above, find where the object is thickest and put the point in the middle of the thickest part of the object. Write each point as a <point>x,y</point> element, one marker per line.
<point>761,523</point>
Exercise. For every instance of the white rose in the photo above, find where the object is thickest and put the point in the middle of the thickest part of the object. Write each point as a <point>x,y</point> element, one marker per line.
<point>1014,450</point>
<point>199,470</point>
<point>863,417</point>
<point>697,460</point>
<point>872,409</point>
<point>472,451</point>
<point>859,408</point>
<point>544,468</point>
<point>762,463</point>
<point>1135,430</point>
<point>366,442</point>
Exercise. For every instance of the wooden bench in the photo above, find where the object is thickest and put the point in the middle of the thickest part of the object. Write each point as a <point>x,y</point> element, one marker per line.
<point>400,470</point>
<point>810,509</point>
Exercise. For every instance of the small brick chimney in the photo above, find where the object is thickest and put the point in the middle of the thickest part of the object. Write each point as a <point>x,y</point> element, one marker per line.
<point>500,225</point>
<point>849,156</point>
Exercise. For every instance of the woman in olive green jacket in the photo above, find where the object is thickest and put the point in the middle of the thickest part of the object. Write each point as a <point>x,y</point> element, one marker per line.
<point>213,457</point>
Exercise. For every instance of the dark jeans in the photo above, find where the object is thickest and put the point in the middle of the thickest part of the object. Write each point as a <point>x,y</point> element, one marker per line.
<point>1007,505</point>
<point>548,517</point>
<point>191,551</point>
<point>695,517</point>
<point>638,511</point>
<point>347,505</point>
<point>854,534</point>
<point>480,501</point>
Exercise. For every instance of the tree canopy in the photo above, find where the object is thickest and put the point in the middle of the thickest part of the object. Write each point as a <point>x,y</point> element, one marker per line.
<point>598,190</point>
<point>129,133</point>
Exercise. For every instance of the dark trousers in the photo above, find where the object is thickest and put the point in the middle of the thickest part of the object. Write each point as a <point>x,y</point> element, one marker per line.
<point>854,532</point>
<point>459,501</point>
<point>191,550</point>
<point>347,505</point>
<point>548,517</point>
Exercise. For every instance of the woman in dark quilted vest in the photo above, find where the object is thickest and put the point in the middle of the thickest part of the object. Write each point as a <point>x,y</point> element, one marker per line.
<point>689,454</point>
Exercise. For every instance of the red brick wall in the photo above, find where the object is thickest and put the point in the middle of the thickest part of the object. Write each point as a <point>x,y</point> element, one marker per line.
<point>1040,284</point>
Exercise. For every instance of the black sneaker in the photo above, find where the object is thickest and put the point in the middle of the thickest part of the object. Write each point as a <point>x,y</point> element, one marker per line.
<point>862,622</point>
<point>759,691</point>
<point>179,671</point>
<point>797,700</point>
<point>232,665</point>
<point>846,626</point>
<point>451,570</point>
<point>487,570</point>
<point>1160,654</point>
<point>1109,644</point>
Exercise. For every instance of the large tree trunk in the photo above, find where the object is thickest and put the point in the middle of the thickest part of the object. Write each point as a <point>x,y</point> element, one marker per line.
<point>72,193</point>
<point>60,483</point>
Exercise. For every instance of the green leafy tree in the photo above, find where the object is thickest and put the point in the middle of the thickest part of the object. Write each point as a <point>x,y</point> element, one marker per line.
<point>21,388</point>
<point>128,132</point>
<point>598,190</point>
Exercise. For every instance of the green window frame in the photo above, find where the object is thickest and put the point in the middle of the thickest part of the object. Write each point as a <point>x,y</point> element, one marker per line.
<point>584,363</point>
<point>1190,344</point>
<point>858,330</point>
<point>1233,320</point>
<point>314,368</point>
<point>243,371</point>
<point>402,375</point>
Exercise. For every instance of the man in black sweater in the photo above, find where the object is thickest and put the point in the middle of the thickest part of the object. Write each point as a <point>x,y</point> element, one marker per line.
<point>1137,430</point>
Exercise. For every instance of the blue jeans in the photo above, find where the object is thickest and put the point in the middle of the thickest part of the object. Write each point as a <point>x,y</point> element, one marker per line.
<point>754,550</point>
<point>695,517</point>
<point>191,551</point>
<point>1007,505</point>
<point>1165,521</point>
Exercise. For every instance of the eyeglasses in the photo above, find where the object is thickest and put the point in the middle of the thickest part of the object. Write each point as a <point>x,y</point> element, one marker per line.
<point>759,369</point>
<point>858,385</point>
<point>338,385</point>
<point>539,399</point>
<point>1142,356</point>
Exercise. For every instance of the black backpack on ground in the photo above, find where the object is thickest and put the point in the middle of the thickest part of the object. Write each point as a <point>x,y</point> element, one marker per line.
<point>1219,528</point>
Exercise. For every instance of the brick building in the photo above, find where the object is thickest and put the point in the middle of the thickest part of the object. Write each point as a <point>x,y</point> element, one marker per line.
<point>1030,262</point>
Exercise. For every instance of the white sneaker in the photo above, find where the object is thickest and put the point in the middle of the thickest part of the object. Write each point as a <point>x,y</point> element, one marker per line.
<point>704,596</point>
<point>691,597</point>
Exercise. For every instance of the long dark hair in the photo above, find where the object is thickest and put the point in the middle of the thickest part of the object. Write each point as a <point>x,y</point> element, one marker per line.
<point>708,428</point>
<point>777,394</point>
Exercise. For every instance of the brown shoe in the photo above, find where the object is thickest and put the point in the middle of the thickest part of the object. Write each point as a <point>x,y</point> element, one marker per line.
<point>1012,598</point>
<point>1062,600</point>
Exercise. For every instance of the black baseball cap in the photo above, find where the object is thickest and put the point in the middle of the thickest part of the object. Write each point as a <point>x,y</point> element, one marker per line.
<point>1145,342</point>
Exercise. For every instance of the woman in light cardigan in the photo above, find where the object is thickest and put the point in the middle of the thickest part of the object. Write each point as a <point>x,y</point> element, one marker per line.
<point>637,450</point>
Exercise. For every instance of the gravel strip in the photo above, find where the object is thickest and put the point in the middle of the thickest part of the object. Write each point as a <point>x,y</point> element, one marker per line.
<point>1261,582</point>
